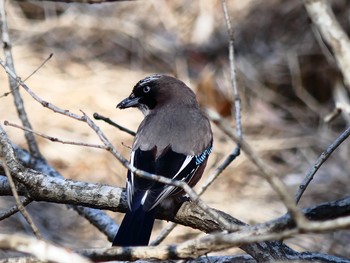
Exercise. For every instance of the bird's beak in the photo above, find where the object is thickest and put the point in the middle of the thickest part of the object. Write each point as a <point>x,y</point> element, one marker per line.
<point>130,101</point>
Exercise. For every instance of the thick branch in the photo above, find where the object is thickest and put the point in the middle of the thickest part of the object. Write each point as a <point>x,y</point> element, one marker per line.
<point>98,218</point>
<point>106,197</point>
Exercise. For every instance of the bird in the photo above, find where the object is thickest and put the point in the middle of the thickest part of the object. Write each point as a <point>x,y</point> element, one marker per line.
<point>173,140</point>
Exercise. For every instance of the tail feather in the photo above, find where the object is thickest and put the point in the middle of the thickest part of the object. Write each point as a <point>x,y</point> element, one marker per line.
<point>136,228</point>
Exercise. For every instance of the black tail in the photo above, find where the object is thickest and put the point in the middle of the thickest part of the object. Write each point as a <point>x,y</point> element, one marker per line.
<point>135,229</point>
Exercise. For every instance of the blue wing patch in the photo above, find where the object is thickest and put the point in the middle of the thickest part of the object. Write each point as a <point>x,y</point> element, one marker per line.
<point>202,156</point>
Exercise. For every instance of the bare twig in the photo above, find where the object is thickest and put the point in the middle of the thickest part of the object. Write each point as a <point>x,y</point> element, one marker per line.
<point>55,139</point>
<point>322,16</point>
<point>237,104</point>
<point>163,234</point>
<point>13,210</point>
<point>33,147</point>
<point>35,71</point>
<point>236,109</point>
<point>109,121</point>
<point>237,100</point>
<point>323,157</point>
<point>266,171</point>
<point>46,104</point>
<point>211,178</point>
<point>39,67</point>
<point>18,200</point>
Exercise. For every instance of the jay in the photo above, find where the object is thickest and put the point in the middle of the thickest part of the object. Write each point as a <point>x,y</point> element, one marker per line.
<point>174,140</point>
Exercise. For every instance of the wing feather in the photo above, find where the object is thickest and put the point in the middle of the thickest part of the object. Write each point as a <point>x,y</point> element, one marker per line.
<point>169,164</point>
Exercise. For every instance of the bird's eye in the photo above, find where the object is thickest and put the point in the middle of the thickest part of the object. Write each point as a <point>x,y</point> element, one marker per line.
<point>146,89</point>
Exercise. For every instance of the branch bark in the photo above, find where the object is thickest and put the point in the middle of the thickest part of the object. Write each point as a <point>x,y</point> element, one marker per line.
<point>45,188</point>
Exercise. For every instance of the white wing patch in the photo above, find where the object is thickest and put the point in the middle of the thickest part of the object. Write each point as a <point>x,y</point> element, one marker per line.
<point>185,163</point>
<point>170,188</point>
<point>130,182</point>
<point>144,197</point>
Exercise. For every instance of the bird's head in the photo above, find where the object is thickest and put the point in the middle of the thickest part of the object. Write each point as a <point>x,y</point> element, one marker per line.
<point>156,91</point>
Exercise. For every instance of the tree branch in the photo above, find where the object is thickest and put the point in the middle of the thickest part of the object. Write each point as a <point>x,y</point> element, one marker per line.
<point>19,204</point>
<point>105,197</point>
<point>32,144</point>
<point>322,16</point>
<point>39,248</point>
<point>323,157</point>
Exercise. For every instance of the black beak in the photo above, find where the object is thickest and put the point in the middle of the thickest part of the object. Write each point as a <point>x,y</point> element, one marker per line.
<point>131,101</point>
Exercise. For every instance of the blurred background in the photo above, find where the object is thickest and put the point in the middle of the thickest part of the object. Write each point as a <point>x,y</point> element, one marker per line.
<point>287,77</point>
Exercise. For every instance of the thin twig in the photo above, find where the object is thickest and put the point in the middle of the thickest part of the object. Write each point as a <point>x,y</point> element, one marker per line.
<point>237,100</point>
<point>46,104</point>
<point>237,103</point>
<point>39,67</point>
<point>32,144</point>
<point>323,157</point>
<point>266,171</point>
<point>109,121</point>
<point>31,74</point>
<point>236,108</point>
<point>333,34</point>
<point>14,209</point>
<point>163,234</point>
<point>55,139</point>
<point>211,178</point>
<point>18,201</point>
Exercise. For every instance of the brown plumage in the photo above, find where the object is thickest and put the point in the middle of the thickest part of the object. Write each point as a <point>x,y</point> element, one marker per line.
<point>174,140</point>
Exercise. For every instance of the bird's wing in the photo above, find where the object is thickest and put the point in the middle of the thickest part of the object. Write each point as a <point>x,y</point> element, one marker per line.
<point>169,164</point>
